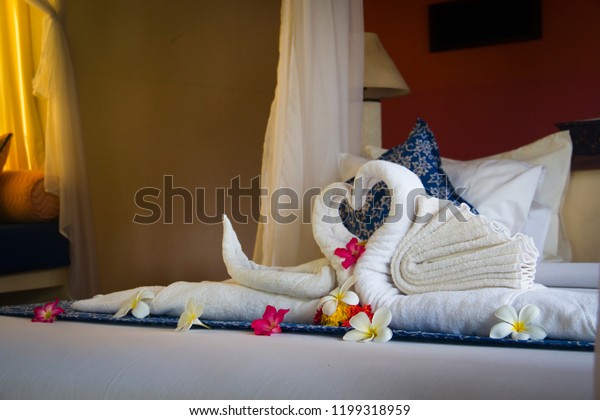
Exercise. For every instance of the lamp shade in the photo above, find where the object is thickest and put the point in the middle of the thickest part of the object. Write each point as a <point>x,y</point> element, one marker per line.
<point>381,77</point>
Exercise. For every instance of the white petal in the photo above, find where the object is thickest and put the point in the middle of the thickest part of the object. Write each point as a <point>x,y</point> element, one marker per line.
<point>382,317</point>
<point>123,310</point>
<point>501,330</point>
<point>536,332</point>
<point>350,298</point>
<point>202,324</point>
<point>182,325</point>
<point>528,313</point>
<point>199,309</point>
<point>347,284</point>
<point>190,305</point>
<point>142,310</point>
<point>145,294</point>
<point>353,335</point>
<point>361,322</point>
<point>524,336</point>
<point>507,314</point>
<point>325,299</point>
<point>383,335</point>
<point>330,307</point>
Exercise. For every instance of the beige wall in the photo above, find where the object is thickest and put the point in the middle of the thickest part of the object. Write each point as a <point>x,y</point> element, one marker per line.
<point>170,87</point>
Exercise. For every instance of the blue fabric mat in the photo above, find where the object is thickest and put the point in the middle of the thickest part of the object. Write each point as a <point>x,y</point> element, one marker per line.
<point>171,322</point>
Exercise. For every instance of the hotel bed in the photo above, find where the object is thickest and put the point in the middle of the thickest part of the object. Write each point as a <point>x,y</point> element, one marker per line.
<point>94,356</point>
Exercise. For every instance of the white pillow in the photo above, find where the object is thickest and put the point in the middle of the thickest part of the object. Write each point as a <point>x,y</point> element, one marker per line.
<point>348,165</point>
<point>500,189</point>
<point>554,153</point>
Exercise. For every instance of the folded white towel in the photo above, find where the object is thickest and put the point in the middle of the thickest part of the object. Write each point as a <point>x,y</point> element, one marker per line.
<point>453,249</point>
<point>311,280</point>
<point>567,314</point>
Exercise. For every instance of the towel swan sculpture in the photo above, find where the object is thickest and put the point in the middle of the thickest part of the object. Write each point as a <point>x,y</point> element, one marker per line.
<point>425,245</point>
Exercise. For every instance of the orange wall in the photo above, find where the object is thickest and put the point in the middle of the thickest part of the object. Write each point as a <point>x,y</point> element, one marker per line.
<point>486,100</point>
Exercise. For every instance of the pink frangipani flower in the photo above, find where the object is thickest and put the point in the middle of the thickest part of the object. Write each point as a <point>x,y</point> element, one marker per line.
<point>47,312</point>
<point>269,323</point>
<point>351,253</point>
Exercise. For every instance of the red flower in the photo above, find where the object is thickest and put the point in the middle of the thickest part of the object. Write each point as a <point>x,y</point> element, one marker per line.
<point>269,323</point>
<point>354,309</point>
<point>47,312</point>
<point>351,253</point>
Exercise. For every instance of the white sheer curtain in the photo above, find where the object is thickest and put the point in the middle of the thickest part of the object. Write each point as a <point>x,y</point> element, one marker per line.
<point>65,170</point>
<point>316,114</point>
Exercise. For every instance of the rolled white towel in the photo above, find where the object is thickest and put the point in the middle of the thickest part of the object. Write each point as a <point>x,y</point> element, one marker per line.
<point>224,301</point>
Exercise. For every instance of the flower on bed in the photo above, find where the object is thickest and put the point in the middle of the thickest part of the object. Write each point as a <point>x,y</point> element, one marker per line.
<point>341,316</point>
<point>370,330</point>
<point>520,326</point>
<point>190,316</point>
<point>351,253</point>
<point>269,323</point>
<point>138,304</point>
<point>329,303</point>
<point>47,312</point>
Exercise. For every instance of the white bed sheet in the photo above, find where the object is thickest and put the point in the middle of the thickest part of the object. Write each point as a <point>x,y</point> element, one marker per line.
<point>568,274</point>
<point>73,360</point>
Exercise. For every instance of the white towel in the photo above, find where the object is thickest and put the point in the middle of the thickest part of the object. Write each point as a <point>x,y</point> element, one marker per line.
<point>565,314</point>
<point>453,249</point>
<point>311,280</point>
<point>225,301</point>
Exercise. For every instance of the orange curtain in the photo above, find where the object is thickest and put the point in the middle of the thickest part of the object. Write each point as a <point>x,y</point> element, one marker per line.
<point>21,113</point>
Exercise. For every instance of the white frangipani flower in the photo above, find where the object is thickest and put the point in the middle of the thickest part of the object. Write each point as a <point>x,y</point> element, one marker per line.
<point>339,294</point>
<point>365,330</point>
<point>519,326</point>
<point>138,304</point>
<point>190,316</point>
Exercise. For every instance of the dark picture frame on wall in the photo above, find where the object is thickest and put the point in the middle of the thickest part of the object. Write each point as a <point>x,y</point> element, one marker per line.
<point>462,24</point>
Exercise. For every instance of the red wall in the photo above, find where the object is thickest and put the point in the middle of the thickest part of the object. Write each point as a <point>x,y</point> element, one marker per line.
<point>485,100</point>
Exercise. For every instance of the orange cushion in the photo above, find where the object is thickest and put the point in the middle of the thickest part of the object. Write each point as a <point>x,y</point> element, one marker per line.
<point>23,198</point>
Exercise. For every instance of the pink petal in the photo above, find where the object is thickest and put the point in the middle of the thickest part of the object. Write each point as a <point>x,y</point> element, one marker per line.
<point>351,246</point>
<point>276,330</point>
<point>270,313</point>
<point>261,327</point>
<point>342,253</point>
<point>280,315</point>
<point>57,311</point>
<point>348,262</point>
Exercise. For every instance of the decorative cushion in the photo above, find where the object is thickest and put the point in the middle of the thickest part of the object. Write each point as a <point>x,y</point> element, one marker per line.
<point>23,198</point>
<point>419,153</point>
<point>4,148</point>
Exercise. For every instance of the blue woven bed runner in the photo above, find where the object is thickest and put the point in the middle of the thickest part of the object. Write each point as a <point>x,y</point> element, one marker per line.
<point>401,335</point>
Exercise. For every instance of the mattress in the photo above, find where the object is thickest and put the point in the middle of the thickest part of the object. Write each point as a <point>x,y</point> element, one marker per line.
<point>94,360</point>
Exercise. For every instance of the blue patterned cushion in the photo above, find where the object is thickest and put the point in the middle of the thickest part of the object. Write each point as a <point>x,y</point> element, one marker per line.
<point>419,153</point>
